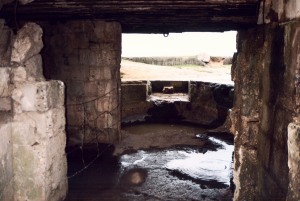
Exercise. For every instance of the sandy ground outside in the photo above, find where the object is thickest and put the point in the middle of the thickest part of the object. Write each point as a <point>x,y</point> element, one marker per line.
<point>214,72</point>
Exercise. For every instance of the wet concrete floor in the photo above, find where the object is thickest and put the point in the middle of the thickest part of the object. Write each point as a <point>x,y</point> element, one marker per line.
<point>177,172</point>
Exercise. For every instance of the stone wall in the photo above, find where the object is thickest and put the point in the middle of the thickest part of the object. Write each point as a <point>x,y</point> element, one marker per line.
<point>292,100</point>
<point>134,102</point>
<point>6,115</point>
<point>266,76</point>
<point>278,11</point>
<point>32,123</point>
<point>208,103</point>
<point>86,56</point>
<point>6,161</point>
<point>266,113</point>
<point>293,161</point>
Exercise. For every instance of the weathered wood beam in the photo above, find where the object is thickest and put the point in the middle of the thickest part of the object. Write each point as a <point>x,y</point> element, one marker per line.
<point>139,15</point>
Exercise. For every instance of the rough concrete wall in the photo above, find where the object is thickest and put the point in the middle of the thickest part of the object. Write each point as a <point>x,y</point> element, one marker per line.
<point>31,123</point>
<point>292,82</point>
<point>6,115</point>
<point>209,104</point>
<point>6,162</point>
<point>278,11</point>
<point>5,44</point>
<point>293,161</point>
<point>134,102</point>
<point>6,152</point>
<point>86,56</point>
<point>265,89</point>
<point>287,12</point>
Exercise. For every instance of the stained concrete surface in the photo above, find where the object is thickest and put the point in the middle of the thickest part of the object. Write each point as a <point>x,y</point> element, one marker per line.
<point>182,97</point>
<point>179,170</point>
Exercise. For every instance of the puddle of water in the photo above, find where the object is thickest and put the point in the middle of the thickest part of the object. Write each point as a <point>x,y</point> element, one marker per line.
<point>212,166</point>
<point>176,173</point>
<point>206,165</point>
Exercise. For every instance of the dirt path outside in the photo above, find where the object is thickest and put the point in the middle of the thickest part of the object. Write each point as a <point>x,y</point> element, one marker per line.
<point>214,72</point>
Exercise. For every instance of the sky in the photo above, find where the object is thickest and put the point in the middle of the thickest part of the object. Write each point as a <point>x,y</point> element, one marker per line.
<point>179,44</point>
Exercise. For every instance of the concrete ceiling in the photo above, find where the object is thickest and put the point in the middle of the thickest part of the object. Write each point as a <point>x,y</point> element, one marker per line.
<point>137,16</point>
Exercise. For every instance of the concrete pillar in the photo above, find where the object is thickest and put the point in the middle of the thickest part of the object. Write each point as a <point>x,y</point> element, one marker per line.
<point>39,141</point>
<point>266,76</point>
<point>294,161</point>
<point>278,11</point>
<point>6,115</point>
<point>32,123</point>
<point>260,115</point>
<point>6,152</point>
<point>292,58</point>
<point>6,163</point>
<point>271,55</point>
<point>86,55</point>
<point>38,127</point>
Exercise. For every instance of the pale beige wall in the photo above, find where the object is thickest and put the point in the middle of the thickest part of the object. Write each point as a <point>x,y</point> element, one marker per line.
<point>32,121</point>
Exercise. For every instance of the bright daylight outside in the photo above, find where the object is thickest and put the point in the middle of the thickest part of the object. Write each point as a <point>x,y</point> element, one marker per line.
<point>201,56</point>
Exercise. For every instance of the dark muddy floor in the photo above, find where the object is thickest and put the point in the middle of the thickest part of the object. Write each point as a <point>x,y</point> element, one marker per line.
<point>198,171</point>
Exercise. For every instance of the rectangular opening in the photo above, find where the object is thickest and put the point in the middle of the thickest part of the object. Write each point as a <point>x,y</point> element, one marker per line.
<point>205,57</point>
<point>168,91</point>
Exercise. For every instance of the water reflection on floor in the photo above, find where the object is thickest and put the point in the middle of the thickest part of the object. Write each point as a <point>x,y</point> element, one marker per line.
<point>181,172</point>
<point>211,168</point>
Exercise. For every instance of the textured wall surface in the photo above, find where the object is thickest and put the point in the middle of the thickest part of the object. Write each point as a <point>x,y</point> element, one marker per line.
<point>266,86</point>
<point>208,104</point>
<point>5,44</point>
<point>6,152</point>
<point>278,11</point>
<point>293,161</point>
<point>292,62</point>
<point>140,16</point>
<point>85,55</point>
<point>6,115</point>
<point>32,123</point>
<point>134,104</point>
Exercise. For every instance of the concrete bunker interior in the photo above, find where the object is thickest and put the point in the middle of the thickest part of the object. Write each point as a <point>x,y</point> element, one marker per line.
<point>160,73</point>
<point>82,48</point>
